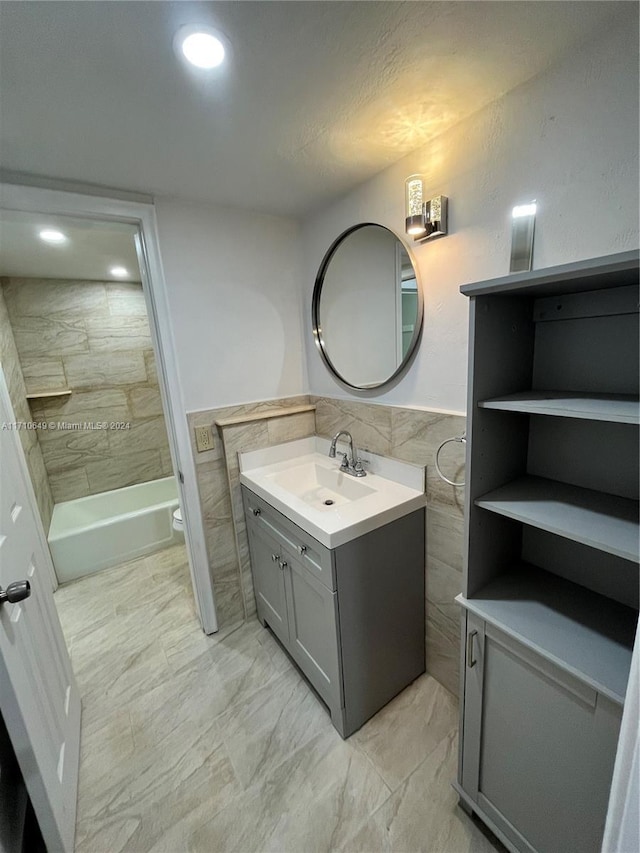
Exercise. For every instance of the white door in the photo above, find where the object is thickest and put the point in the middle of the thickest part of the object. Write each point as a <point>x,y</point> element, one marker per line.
<point>39,698</point>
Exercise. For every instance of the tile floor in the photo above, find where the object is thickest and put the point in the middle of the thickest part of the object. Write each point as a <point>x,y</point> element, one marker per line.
<point>195,744</point>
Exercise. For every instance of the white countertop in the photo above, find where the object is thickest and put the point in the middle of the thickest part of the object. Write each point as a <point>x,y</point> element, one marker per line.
<point>295,478</point>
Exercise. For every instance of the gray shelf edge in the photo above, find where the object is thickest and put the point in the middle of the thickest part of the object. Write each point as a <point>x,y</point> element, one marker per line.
<point>536,406</point>
<point>562,274</point>
<point>483,502</point>
<point>475,606</point>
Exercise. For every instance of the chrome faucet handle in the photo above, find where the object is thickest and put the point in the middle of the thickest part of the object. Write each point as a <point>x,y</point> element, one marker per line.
<point>358,468</point>
<point>345,459</point>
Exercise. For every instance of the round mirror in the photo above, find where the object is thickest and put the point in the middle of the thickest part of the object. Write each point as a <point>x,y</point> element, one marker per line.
<point>367,307</point>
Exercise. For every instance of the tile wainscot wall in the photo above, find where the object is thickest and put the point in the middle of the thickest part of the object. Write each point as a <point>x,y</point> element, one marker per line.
<point>251,426</point>
<point>404,433</point>
<point>93,338</point>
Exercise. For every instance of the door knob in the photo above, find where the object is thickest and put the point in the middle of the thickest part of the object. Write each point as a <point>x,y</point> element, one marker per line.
<point>16,591</point>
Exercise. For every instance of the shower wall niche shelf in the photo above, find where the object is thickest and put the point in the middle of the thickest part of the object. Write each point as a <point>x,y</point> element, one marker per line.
<point>41,395</point>
<point>550,587</point>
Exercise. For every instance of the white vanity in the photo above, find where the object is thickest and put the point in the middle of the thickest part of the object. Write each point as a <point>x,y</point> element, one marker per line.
<point>338,569</point>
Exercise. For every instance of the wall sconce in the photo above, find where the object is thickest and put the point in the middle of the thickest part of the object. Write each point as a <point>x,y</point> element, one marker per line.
<point>425,218</point>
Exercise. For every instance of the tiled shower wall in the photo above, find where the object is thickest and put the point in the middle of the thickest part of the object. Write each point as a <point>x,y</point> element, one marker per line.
<point>91,337</point>
<point>409,434</point>
<point>18,394</point>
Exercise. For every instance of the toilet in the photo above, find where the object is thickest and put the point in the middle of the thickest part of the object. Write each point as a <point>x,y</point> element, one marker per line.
<point>177,522</point>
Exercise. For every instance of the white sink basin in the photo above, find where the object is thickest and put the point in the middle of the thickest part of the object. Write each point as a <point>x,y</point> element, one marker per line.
<point>301,481</point>
<point>319,486</point>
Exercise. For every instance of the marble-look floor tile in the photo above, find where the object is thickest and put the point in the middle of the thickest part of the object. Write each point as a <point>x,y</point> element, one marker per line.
<point>406,730</point>
<point>215,744</point>
<point>423,816</point>
<point>192,774</point>
<point>246,661</point>
<point>311,802</point>
<point>263,729</point>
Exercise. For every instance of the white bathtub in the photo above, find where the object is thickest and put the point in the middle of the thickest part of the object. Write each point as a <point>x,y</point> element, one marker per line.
<point>93,533</point>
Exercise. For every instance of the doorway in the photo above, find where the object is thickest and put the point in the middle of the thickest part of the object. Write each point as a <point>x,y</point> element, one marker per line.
<point>78,358</point>
<point>116,215</point>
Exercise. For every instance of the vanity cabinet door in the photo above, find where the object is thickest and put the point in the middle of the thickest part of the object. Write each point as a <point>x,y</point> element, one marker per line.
<point>313,632</point>
<point>269,566</point>
<point>539,745</point>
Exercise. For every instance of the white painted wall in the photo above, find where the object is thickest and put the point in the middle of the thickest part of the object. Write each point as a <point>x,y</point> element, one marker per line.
<point>568,138</point>
<point>233,289</point>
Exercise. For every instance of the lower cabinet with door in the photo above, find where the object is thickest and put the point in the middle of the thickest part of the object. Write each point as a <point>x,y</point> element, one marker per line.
<point>352,617</point>
<point>539,745</point>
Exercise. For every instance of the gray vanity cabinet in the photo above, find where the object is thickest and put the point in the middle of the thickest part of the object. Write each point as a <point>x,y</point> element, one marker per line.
<point>269,580</point>
<point>313,632</point>
<point>352,618</point>
<point>300,609</point>
<point>539,744</point>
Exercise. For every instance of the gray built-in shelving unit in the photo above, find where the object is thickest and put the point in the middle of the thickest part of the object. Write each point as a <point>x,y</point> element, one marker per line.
<point>550,591</point>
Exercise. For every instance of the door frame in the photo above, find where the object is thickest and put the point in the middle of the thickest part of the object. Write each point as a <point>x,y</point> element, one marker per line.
<point>142,215</point>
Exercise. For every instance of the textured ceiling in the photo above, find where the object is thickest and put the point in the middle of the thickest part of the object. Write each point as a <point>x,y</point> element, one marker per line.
<point>316,96</point>
<point>92,248</point>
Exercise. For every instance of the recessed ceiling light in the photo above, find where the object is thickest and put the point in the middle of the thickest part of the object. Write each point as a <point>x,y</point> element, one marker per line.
<point>50,235</point>
<point>119,272</point>
<point>200,46</point>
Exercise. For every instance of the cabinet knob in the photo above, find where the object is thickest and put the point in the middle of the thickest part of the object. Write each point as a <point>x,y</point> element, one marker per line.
<point>302,549</point>
<point>283,564</point>
<point>275,557</point>
<point>257,511</point>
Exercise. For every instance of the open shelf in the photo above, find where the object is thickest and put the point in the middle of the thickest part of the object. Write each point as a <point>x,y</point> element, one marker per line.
<point>41,395</point>
<point>600,520</point>
<point>615,408</point>
<point>586,634</point>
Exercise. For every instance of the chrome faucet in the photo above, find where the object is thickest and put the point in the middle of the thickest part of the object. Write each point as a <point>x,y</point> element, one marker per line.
<point>351,466</point>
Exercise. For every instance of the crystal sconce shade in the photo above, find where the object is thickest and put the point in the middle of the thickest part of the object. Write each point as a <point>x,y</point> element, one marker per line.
<point>415,222</point>
<point>424,218</point>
